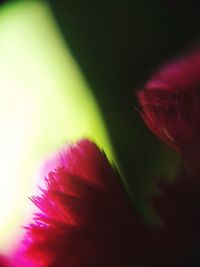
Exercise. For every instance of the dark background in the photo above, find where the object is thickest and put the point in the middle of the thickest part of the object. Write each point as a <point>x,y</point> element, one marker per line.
<point>118,44</point>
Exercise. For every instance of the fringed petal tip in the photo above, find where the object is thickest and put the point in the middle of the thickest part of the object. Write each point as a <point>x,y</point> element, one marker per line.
<point>170,104</point>
<point>85,216</point>
<point>85,219</point>
<point>78,158</point>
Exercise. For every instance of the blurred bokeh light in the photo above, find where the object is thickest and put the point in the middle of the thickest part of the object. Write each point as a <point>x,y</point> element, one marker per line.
<point>44,103</point>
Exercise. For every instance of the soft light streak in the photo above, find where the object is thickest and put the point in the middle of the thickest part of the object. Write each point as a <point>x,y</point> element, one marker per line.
<point>44,102</point>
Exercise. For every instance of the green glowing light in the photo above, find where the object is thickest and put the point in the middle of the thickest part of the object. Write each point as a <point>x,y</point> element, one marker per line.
<point>44,102</point>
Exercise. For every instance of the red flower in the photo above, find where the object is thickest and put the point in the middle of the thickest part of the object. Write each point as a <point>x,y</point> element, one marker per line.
<point>170,104</point>
<point>86,218</point>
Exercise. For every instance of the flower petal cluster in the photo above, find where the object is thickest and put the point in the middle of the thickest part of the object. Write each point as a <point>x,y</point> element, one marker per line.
<point>85,217</point>
<point>170,103</point>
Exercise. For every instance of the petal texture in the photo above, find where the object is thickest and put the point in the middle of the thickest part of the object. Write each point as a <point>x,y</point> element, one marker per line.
<point>170,103</point>
<point>85,217</point>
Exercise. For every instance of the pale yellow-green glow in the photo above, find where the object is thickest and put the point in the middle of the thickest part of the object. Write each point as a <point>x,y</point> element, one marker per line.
<point>44,102</point>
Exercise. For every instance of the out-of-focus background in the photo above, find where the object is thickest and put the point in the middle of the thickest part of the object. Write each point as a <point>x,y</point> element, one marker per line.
<point>71,69</point>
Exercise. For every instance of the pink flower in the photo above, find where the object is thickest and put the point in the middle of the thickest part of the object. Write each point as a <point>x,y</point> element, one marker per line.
<point>85,217</point>
<point>170,103</point>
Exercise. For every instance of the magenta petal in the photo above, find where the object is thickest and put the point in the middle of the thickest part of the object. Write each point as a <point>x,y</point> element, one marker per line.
<point>4,262</point>
<point>85,217</point>
<point>170,103</point>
